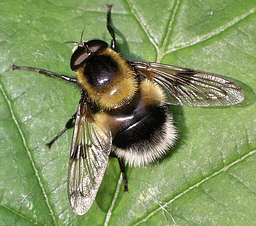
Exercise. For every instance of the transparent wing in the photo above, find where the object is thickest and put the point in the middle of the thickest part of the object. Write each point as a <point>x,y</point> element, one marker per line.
<point>190,87</point>
<point>90,149</point>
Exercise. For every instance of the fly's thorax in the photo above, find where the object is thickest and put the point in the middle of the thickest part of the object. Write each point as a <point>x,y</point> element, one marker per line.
<point>108,80</point>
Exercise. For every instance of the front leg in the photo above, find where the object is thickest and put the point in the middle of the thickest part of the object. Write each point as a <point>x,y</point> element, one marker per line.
<point>110,29</point>
<point>45,72</point>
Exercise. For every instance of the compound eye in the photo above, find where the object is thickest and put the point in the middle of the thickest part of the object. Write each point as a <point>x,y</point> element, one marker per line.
<point>82,53</point>
<point>96,45</point>
<point>78,58</point>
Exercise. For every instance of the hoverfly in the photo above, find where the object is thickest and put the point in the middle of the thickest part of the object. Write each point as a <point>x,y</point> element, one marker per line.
<point>123,111</point>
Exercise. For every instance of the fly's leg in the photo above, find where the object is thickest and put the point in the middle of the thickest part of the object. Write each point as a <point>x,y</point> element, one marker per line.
<point>45,72</point>
<point>68,125</point>
<point>110,29</point>
<point>122,167</point>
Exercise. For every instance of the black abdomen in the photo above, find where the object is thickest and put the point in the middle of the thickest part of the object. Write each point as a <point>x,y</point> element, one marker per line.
<point>142,130</point>
<point>141,126</point>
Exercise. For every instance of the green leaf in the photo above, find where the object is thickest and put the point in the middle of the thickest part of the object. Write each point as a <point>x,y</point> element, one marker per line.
<point>209,176</point>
